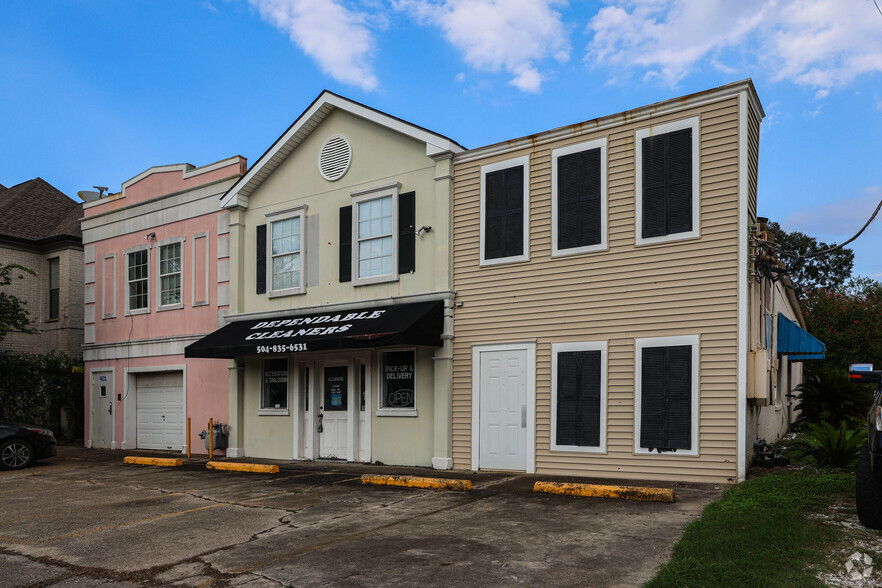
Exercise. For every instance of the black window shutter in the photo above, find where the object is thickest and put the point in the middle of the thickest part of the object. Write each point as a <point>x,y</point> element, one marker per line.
<point>494,215</point>
<point>578,206</point>
<point>666,413</point>
<point>261,259</point>
<point>568,216</point>
<point>667,183</point>
<point>679,397</point>
<point>654,202</point>
<point>345,243</point>
<point>679,180</point>
<point>567,397</point>
<point>514,211</point>
<point>406,234</point>
<point>589,399</point>
<point>653,419</point>
<point>578,398</point>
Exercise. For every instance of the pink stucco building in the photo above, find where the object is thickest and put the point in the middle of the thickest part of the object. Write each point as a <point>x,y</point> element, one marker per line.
<point>157,267</point>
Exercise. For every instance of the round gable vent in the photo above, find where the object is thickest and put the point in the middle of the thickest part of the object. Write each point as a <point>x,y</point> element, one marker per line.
<point>335,157</point>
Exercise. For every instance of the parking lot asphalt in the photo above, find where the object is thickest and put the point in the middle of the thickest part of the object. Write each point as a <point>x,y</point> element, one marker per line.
<point>85,518</point>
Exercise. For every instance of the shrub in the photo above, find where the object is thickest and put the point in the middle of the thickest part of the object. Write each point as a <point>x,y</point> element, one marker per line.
<point>44,389</point>
<point>826,395</point>
<point>829,446</point>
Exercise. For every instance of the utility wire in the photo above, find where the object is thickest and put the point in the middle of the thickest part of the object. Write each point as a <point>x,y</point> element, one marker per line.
<point>831,249</point>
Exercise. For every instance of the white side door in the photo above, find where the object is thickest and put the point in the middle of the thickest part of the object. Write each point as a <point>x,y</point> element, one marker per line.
<point>503,410</point>
<point>333,399</point>
<point>102,409</point>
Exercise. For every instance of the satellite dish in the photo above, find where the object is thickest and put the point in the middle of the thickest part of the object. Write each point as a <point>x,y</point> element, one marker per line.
<point>88,195</point>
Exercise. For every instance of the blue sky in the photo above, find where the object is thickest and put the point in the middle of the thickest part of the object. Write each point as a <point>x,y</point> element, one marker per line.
<point>96,91</point>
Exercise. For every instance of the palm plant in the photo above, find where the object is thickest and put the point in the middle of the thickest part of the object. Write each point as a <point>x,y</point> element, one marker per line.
<point>829,446</point>
<point>826,395</point>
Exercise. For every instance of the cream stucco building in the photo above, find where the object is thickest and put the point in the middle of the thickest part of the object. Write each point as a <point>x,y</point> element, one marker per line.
<point>340,292</point>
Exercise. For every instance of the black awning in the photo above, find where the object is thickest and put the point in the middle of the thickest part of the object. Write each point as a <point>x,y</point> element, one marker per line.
<point>418,323</point>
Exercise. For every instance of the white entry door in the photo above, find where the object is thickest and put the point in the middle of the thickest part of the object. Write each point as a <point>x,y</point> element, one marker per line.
<point>503,409</point>
<point>102,409</point>
<point>160,402</point>
<point>333,403</point>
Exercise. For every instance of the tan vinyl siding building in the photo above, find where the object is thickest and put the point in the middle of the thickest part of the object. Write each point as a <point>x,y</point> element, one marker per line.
<point>622,293</point>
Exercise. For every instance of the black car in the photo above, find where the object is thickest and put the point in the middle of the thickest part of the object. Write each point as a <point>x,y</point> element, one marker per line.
<point>21,444</point>
<point>869,472</point>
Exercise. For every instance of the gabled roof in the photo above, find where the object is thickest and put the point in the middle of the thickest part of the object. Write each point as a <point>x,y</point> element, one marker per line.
<point>36,212</point>
<point>321,107</point>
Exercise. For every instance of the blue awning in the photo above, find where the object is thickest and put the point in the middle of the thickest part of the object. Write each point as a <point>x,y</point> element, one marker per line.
<point>796,343</point>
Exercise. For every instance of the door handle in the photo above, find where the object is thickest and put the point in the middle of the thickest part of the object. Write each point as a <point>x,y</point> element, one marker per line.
<point>523,416</point>
<point>321,428</point>
<point>109,408</point>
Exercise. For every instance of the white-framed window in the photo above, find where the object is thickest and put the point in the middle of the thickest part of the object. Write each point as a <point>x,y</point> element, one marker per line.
<point>274,389</point>
<point>579,198</point>
<point>138,280</point>
<point>397,383</point>
<point>375,235</point>
<point>505,211</point>
<point>285,252</point>
<point>668,184</point>
<point>666,390</point>
<point>578,396</point>
<point>170,270</point>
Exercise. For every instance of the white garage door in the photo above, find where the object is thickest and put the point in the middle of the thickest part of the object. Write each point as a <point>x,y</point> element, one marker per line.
<point>160,410</point>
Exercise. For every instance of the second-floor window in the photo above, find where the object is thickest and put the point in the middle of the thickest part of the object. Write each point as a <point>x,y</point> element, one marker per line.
<point>170,275</point>
<point>579,198</point>
<point>667,182</point>
<point>137,285</point>
<point>505,211</point>
<point>284,252</point>
<point>54,288</point>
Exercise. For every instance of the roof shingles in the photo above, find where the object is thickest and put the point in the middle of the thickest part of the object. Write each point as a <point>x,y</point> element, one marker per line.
<point>36,211</point>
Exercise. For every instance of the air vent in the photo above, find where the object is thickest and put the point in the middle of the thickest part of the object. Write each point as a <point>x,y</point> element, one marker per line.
<point>335,157</point>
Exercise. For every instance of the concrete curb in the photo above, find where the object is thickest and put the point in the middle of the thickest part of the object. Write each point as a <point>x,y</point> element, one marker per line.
<point>258,468</point>
<point>166,462</point>
<point>598,491</point>
<point>417,482</point>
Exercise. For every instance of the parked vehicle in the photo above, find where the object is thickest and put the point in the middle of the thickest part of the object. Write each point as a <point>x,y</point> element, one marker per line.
<point>21,444</point>
<point>869,472</point>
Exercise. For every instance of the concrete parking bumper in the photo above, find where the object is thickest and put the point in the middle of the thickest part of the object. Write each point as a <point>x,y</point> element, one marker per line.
<point>606,491</point>
<point>417,482</point>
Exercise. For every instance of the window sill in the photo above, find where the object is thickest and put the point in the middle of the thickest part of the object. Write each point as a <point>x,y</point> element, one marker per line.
<point>504,260</point>
<point>178,306</point>
<point>108,316</point>
<point>667,238</point>
<point>289,292</point>
<point>579,250</point>
<point>138,311</point>
<point>578,449</point>
<point>397,412</point>
<point>272,412</point>
<point>374,280</point>
<point>52,320</point>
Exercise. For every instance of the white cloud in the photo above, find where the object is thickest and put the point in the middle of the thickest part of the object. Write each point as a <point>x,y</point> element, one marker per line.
<point>336,37</point>
<point>499,35</point>
<point>838,220</point>
<point>819,44</point>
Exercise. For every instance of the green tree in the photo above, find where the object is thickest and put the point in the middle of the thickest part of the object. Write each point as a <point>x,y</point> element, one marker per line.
<point>829,271</point>
<point>13,314</point>
<point>848,320</point>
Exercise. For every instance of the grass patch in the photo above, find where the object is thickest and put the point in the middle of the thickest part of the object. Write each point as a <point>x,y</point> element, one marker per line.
<point>759,533</point>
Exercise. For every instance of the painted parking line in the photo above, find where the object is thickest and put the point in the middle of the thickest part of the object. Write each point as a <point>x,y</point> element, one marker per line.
<point>601,491</point>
